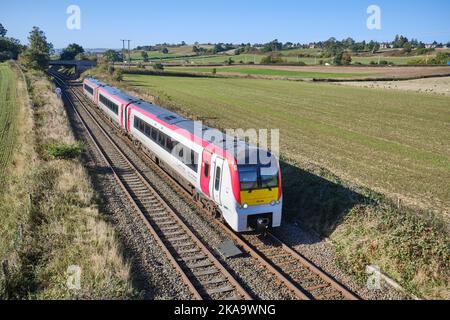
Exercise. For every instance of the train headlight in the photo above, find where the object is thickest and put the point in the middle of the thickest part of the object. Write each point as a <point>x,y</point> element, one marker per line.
<point>278,202</point>
<point>245,206</point>
<point>273,203</point>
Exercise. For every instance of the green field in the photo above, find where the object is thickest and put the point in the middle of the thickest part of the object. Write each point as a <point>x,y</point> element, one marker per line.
<point>8,116</point>
<point>185,55</point>
<point>391,142</point>
<point>272,72</point>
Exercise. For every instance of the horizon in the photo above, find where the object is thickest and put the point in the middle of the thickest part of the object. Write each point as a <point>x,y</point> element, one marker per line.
<point>223,22</point>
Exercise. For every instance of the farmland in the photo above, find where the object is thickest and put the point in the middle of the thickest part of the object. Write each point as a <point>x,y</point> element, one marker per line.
<point>8,116</point>
<point>185,55</point>
<point>272,72</point>
<point>395,145</point>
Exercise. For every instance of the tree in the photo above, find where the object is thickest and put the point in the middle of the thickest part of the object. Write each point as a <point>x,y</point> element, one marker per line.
<point>144,55</point>
<point>9,48</point>
<point>118,75</point>
<point>112,56</point>
<point>37,56</point>
<point>158,67</point>
<point>343,58</point>
<point>407,47</point>
<point>71,52</point>
<point>3,31</point>
<point>400,41</point>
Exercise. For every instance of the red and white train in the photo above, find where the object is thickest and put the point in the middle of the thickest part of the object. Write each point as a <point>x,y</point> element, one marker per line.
<point>237,180</point>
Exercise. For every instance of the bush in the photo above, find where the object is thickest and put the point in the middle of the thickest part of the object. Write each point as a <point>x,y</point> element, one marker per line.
<point>63,151</point>
<point>118,75</point>
<point>271,60</point>
<point>229,61</point>
<point>214,71</point>
<point>158,66</point>
<point>111,70</point>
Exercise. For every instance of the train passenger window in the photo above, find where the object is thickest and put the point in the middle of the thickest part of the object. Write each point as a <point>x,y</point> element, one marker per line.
<point>193,161</point>
<point>181,154</point>
<point>169,144</point>
<point>148,130</point>
<point>162,139</point>
<point>154,134</point>
<point>207,167</point>
<point>218,175</point>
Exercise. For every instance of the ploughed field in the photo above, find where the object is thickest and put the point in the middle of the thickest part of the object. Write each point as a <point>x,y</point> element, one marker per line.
<point>392,142</point>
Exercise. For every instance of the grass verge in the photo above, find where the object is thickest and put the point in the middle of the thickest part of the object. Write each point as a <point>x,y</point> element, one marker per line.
<point>51,219</point>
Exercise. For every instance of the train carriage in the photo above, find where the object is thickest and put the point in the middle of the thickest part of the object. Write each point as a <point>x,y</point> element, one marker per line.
<point>240,181</point>
<point>90,88</point>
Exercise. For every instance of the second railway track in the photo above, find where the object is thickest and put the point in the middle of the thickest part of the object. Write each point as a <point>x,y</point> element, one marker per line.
<point>305,280</point>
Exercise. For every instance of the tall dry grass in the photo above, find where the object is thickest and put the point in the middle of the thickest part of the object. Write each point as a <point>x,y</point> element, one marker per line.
<point>61,225</point>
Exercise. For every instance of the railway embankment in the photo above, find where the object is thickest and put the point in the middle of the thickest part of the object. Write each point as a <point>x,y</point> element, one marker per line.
<point>55,242</point>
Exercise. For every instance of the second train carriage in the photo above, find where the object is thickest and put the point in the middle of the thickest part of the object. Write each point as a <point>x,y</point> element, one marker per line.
<point>242,181</point>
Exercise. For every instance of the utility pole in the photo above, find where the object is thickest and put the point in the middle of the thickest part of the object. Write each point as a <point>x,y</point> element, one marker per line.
<point>123,52</point>
<point>129,55</point>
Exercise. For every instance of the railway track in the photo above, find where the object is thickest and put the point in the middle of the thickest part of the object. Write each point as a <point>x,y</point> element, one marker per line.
<point>304,279</point>
<point>204,275</point>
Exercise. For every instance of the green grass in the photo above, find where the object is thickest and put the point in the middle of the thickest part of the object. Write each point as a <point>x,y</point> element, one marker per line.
<point>395,60</point>
<point>392,142</point>
<point>8,116</point>
<point>272,72</point>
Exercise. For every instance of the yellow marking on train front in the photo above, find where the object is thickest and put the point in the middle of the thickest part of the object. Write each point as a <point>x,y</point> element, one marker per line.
<point>259,197</point>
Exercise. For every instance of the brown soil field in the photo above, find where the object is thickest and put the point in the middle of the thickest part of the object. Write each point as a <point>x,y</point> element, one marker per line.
<point>440,86</point>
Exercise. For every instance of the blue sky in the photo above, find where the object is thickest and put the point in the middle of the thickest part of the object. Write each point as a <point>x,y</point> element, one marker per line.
<point>104,23</point>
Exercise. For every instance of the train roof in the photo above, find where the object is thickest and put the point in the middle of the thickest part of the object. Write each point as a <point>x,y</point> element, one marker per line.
<point>211,135</point>
<point>119,94</point>
<point>96,82</point>
<point>215,137</point>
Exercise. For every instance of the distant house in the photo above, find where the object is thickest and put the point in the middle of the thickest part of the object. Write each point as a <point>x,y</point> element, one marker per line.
<point>386,46</point>
<point>430,46</point>
<point>312,46</point>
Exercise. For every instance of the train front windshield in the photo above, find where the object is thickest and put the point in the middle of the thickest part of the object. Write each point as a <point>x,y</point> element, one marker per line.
<point>256,177</point>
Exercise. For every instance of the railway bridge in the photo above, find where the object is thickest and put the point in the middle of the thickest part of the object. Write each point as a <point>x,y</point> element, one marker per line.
<point>80,66</point>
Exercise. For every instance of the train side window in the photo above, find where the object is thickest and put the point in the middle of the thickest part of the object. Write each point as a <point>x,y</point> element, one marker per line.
<point>169,144</point>
<point>218,176</point>
<point>181,153</point>
<point>206,172</point>
<point>154,134</point>
<point>148,130</point>
<point>162,139</point>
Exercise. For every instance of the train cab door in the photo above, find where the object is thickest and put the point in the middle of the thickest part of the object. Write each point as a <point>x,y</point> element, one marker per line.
<point>207,170</point>
<point>217,182</point>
